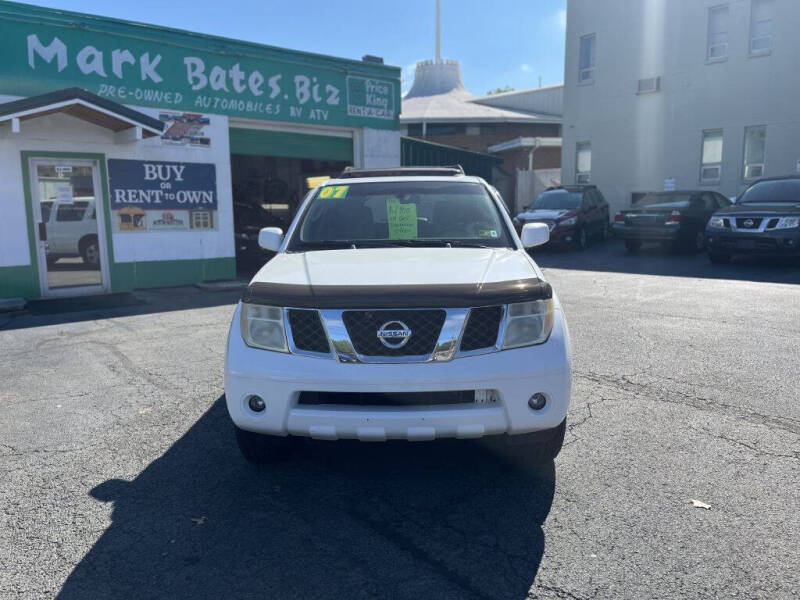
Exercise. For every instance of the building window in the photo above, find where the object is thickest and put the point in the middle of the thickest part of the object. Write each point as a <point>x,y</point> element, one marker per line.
<point>445,129</point>
<point>755,151</point>
<point>588,58</point>
<point>761,27</point>
<point>718,33</point>
<point>583,162</point>
<point>201,219</point>
<point>711,169</point>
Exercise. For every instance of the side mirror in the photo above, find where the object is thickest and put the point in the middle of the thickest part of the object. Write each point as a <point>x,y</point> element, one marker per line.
<point>270,238</point>
<point>535,234</point>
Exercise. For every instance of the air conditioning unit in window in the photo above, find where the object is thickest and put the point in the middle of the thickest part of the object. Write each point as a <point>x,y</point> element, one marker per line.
<point>649,85</point>
<point>717,51</point>
<point>753,171</point>
<point>710,173</point>
<point>583,178</point>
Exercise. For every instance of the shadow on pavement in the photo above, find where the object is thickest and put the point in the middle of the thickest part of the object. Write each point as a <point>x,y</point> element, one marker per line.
<point>54,311</point>
<point>430,520</point>
<point>611,256</point>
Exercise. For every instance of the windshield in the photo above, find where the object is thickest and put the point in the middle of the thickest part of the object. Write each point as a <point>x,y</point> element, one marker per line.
<point>664,201</point>
<point>405,213</point>
<point>560,200</point>
<point>773,192</point>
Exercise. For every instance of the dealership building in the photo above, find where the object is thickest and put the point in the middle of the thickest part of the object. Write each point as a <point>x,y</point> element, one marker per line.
<point>129,151</point>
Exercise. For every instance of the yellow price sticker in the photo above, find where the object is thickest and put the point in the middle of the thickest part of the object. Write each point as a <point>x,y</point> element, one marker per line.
<point>334,191</point>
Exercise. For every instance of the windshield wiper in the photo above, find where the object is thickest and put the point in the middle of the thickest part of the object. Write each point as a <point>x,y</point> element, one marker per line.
<point>462,244</point>
<point>326,245</point>
<point>412,243</point>
<point>424,243</point>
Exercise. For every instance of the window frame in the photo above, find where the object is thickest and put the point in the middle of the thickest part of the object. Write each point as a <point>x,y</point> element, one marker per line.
<point>711,165</point>
<point>752,36</point>
<point>709,45</point>
<point>762,164</point>
<point>201,215</point>
<point>592,59</point>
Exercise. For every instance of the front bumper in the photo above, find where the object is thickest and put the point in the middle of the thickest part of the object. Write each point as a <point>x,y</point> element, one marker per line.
<point>562,235</point>
<point>646,234</point>
<point>515,374</point>
<point>784,242</point>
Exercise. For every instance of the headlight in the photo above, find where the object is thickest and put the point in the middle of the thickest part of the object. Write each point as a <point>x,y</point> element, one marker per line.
<point>568,222</point>
<point>528,323</point>
<point>717,222</point>
<point>788,223</point>
<point>262,327</point>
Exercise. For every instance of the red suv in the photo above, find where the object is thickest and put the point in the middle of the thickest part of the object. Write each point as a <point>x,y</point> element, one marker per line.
<point>575,214</point>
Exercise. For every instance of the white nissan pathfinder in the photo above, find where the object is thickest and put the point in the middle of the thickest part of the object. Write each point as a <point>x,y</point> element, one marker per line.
<point>400,305</point>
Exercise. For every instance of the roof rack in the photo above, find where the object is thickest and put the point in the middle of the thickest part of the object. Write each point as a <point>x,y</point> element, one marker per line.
<point>448,171</point>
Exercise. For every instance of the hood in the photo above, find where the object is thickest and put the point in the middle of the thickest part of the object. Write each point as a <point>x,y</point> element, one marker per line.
<point>761,208</point>
<point>544,214</point>
<point>398,267</point>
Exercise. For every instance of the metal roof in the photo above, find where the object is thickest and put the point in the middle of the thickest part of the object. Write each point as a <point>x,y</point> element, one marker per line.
<point>438,95</point>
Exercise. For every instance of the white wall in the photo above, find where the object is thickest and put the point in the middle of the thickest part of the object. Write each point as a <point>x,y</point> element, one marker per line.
<point>378,148</point>
<point>640,140</point>
<point>63,133</point>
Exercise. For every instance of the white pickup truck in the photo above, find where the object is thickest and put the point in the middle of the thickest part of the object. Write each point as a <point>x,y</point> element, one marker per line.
<point>400,305</point>
<point>71,230</point>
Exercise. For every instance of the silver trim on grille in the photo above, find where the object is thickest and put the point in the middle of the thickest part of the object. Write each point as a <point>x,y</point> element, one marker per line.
<point>765,220</point>
<point>446,348</point>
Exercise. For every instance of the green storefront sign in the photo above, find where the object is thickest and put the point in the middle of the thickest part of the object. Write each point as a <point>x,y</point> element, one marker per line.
<point>44,50</point>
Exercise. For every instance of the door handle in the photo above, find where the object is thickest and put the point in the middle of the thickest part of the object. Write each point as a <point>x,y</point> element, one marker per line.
<point>42,232</point>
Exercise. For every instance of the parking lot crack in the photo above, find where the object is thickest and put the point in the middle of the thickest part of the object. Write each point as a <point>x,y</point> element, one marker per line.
<point>655,392</point>
<point>795,455</point>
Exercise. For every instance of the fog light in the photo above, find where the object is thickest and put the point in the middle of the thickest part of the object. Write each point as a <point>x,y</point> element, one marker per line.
<point>537,401</point>
<point>256,403</point>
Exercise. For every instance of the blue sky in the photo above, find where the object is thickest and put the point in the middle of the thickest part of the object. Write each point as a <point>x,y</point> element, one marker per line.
<point>499,42</point>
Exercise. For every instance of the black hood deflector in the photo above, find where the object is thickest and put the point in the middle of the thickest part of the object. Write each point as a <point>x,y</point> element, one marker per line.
<point>461,295</point>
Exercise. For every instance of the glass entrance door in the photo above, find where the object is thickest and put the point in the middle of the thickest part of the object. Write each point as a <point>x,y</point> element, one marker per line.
<point>68,222</point>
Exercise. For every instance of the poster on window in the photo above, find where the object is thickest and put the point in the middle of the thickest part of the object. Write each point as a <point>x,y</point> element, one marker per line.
<point>162,195</point>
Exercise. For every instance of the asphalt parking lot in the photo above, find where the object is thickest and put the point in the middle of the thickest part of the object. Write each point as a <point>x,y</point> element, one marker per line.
<point>120,477</point>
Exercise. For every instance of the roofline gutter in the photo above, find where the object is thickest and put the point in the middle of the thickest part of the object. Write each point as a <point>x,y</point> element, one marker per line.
<point>527,142</point>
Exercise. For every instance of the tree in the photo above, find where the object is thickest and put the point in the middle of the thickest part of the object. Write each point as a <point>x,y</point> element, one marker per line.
<point>508,88</point>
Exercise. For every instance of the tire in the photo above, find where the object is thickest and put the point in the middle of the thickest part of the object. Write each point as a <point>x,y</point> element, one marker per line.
<point>581,240</point>
<point>90,251</point>
<point>697,244</point>
<point>633,245</point>
<point>606,234</point>
<point>719,258</point>
<point>260,449</point>
<point>541,446</point>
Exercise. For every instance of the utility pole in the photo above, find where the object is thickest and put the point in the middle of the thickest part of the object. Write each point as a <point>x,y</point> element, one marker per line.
<point>438,32</point>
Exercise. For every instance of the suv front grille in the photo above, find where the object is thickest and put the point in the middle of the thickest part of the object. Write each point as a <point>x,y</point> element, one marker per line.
<point>387,399</point>
<point>748,222</point>
<point>307,331</point>
<point>363,325</point>
<point>482,328</point>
